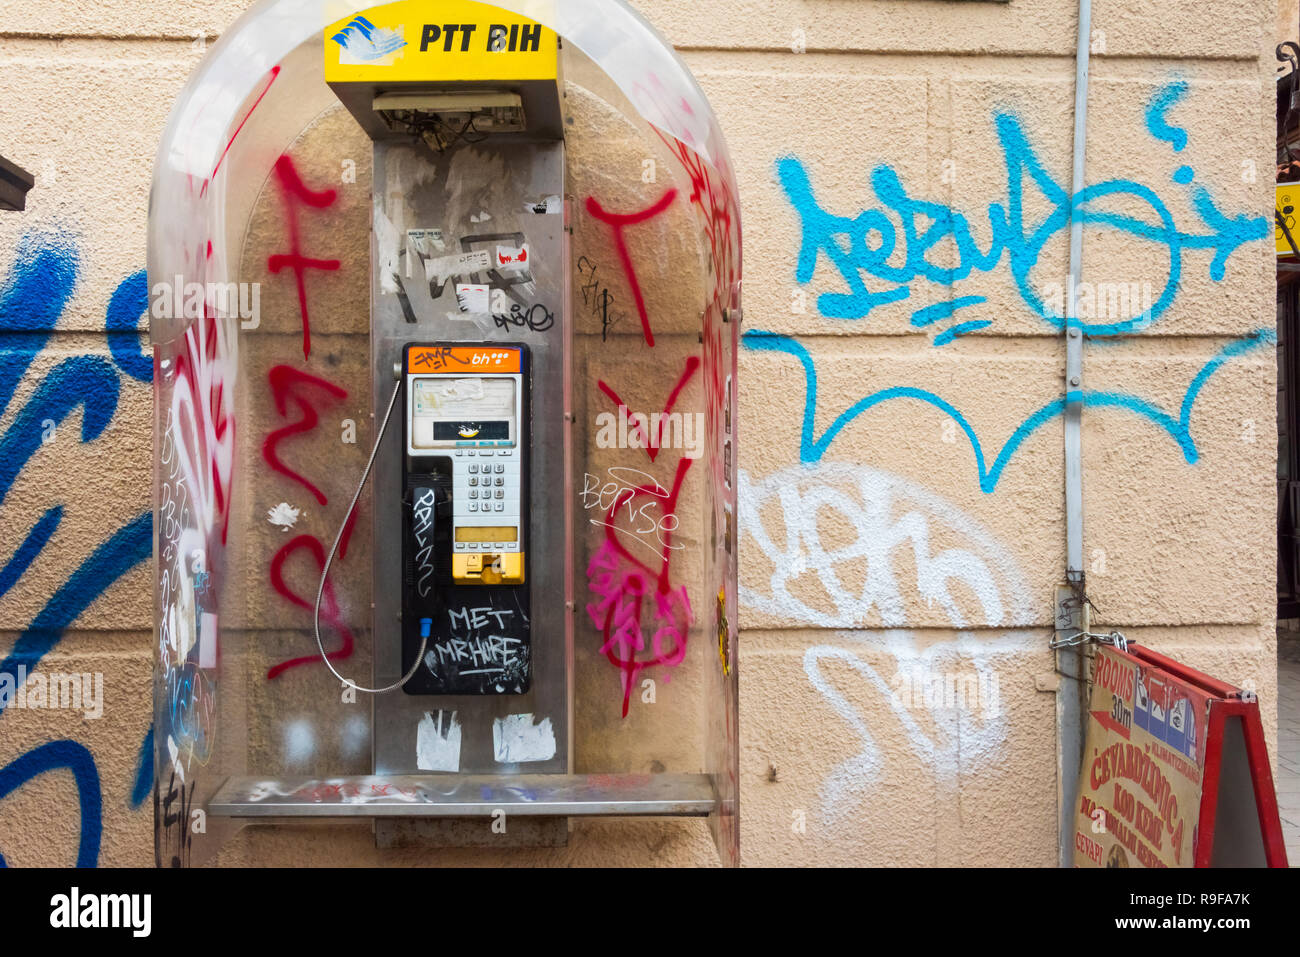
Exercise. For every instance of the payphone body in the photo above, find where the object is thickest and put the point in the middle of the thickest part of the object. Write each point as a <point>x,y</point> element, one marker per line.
<point>464,495</point>
<point>449,231</point>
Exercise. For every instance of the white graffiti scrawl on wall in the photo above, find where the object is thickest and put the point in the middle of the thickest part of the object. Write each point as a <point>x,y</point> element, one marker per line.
<point>895,544</point>
<point>886,515</point>
<point>950,741</point>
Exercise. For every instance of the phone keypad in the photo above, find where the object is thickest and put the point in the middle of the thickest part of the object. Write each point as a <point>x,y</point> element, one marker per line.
<point>486,480</point>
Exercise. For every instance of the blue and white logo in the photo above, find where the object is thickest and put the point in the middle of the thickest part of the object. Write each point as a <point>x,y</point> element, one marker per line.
<point>363,42</point>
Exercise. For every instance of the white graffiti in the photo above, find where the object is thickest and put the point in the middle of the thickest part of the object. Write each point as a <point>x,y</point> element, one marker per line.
<point>197,457</point>
<point>886,530</point>
<point>885,515</point>
<point>951,741</point>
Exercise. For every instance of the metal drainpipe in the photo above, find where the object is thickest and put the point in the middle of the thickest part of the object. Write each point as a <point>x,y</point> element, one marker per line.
<point>1071,699</point>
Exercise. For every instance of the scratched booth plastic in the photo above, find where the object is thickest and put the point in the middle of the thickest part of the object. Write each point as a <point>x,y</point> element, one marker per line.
<point>300,266</point>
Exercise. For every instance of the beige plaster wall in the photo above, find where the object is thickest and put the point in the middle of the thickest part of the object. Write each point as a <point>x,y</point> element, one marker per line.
<point>867,563</point>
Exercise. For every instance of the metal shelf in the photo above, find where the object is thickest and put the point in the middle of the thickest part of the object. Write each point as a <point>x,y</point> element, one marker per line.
<point>434,795</point>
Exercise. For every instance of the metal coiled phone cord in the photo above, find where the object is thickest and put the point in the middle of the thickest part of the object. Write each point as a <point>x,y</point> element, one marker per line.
<point>329,559</point>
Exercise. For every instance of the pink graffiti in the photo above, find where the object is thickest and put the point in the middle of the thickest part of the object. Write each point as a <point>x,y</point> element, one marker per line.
<point>623,585</point>
<point>271,77</point>
<point>293,385</point>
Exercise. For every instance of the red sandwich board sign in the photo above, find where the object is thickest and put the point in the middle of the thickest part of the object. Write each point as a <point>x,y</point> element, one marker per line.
<point>1175,770</point>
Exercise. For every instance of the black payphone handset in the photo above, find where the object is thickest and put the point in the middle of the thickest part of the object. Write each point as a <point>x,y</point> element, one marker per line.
<point>465,593</point>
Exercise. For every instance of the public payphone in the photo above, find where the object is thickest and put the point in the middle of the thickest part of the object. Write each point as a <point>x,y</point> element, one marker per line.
<point>482,232</point>
<point>465,508</point>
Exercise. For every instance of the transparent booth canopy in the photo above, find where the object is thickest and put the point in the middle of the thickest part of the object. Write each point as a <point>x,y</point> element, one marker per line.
<point>445,299</point>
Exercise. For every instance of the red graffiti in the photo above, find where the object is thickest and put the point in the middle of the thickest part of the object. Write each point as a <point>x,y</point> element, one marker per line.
<point>329,606</point>
<point>622,593</point>
<point>297,191</point>
<point>619,222</point>
<point>651,444</point>
<point>203,415</point>
<point>291,385</point>
<point>716,205</point>
<point>275,72</point>
<point>713,197</point>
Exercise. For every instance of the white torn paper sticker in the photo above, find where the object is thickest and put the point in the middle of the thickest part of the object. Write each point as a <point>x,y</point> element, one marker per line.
<point>516,740</point>
<point>444,267</point>
<point>480,217</point>
<point>471,389</point>
<point>174,753</point>
<point>283,515</point>
<point>426,242</point>
<point>551,204</point>
<point>512,258</point>
<point>207,640</point>
<point>437,743</point>
<point>472,297</point>
<point>387,247</point>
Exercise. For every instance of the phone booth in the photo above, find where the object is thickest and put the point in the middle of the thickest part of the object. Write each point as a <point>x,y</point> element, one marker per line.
<point>445,299</point>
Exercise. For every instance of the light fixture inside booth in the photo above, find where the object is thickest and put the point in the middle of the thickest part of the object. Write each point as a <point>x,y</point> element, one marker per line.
<point>478,304</point>
<point>441,119</point>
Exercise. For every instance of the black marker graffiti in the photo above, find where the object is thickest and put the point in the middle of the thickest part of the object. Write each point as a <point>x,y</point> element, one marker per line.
<point>436,359</point>
<point>598,299</point>
<point>472,643</point>
<point>174,825</point>
<point>536,318</point>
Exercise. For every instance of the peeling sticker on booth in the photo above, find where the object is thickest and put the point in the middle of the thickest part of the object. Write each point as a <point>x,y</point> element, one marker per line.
<point>517,740</point>
<point>284,516</point>
<point>437,743</point>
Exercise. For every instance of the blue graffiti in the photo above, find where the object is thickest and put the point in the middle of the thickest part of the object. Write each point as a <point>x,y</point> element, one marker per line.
<point>1166,98</point>
<point>69,755</point>
<point>31,547</point>
<point>126,548</point>
<point>943,310</point>
<point>961,329</point>
<point>86,381</point>
<point>128,303</point>
<point>143,771</point>
<point>870,245</point>
<point>32,300</point>
<point>813,448</point>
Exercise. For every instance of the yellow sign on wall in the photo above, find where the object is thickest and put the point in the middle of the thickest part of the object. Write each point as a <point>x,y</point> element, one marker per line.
<point>455,40</point>
<point>1288,202</point>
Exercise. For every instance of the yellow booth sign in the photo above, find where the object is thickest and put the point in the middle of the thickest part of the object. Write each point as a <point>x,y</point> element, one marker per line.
<point>457,40</point>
